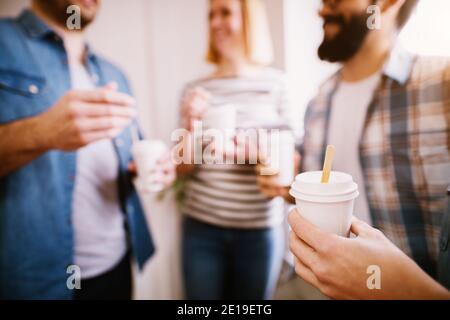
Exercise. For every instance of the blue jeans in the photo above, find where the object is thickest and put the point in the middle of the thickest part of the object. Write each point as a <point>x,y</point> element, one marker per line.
<point>221,263</point>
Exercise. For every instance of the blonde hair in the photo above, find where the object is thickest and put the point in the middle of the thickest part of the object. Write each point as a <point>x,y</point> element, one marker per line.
<point>257,38</point>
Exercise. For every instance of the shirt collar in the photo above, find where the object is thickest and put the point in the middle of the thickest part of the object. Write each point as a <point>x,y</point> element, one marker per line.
<point>399,64</point>
<point>33,25</point>
<point>397,67</point>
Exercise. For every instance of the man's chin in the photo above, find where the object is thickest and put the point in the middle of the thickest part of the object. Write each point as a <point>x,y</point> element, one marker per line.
<point>330,52</point>
<point>87,20</point>
<point>88,10</point>
<point>330,31</point>
<point>89,13</point>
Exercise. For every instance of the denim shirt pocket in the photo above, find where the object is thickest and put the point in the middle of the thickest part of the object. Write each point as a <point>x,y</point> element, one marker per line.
<point>21,95</point>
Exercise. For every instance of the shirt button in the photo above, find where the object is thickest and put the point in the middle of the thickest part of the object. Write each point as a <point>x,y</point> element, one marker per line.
<point>33,89</point>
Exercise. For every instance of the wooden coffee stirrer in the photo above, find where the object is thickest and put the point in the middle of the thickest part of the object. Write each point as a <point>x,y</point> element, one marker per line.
<point>327,164</point>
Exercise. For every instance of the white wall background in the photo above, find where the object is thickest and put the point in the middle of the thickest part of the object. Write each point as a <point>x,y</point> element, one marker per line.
<point>303,32</point>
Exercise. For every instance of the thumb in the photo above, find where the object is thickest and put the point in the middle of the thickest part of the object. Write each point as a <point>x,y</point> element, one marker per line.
<point>359,227</point>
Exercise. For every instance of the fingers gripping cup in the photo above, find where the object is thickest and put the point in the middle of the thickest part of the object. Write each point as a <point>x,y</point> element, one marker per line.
<point>329,206</point>
<point>220,125</point>
<point>221,118</point>
<point>280,156</point>
<point>146,154</point>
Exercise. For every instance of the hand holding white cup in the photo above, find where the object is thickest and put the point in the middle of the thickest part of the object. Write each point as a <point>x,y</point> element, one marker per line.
<point>155,170</point>
<point>326,198</point>
<point>219,130</point>
<point>279,159</point>
<point>193,106</point>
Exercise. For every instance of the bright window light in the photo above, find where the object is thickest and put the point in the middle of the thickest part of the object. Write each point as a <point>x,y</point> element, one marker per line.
<point>428,31</point>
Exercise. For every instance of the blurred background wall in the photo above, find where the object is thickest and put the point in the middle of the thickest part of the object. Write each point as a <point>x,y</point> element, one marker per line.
<point>160,45</point>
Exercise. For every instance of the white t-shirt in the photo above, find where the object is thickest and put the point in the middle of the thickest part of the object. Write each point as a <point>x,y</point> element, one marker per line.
<point>348,113</point>
<point>100,237</point>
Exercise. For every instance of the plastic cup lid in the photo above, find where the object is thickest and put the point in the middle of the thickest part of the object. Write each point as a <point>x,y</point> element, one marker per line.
<point>308,185</point>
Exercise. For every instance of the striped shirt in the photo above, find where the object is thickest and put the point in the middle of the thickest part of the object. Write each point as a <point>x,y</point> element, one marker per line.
<point>404,150</point>
<point>228,195</point>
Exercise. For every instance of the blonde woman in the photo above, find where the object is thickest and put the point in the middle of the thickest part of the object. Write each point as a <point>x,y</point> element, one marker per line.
<point>232,233</point>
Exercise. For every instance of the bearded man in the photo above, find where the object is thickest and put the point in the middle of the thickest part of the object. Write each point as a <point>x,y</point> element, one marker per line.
<point>387,113</point>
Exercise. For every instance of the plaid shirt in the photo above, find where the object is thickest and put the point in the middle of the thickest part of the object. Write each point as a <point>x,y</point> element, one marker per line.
<point>404,150</point>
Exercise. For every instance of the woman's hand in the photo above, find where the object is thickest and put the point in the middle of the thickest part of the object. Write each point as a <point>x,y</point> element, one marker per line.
<point>341,267</point>
<point>240,150</point>
<point>184,155</point>
<point>193,106</point>
<point>268,181</point>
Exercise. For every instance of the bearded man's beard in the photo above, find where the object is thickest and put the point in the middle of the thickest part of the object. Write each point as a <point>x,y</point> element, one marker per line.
<point>347,42</point>
<point>57,11</point>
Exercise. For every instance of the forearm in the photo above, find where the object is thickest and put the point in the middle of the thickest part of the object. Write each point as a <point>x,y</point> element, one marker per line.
<point>404,279</point>
<point>435,292</point>
<point>20,143</point>
<point>426,288</point>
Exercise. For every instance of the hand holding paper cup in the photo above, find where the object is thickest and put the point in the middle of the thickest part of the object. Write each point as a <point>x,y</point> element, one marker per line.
<point>281,157</point>
<point>147,154</point>
<point>219,124</point>
<point>326,198</point>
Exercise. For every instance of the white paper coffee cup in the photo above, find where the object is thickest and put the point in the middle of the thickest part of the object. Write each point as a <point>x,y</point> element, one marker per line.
<point>219,123</point>
<point>329,206</point>
<point>221,118</point>
<point>146,153</point>
<point>278,148</point>
<point>282,154</point>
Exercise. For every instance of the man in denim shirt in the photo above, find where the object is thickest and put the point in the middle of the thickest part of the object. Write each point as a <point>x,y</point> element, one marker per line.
<point>68,209</point>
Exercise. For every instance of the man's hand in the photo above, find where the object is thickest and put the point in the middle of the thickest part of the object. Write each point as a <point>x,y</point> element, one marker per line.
<point>82,117</point>
<point>338,266</point>
<point>77,119</point>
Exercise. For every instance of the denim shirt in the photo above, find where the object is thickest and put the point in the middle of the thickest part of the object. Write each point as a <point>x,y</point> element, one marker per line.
<point>36,231</point>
